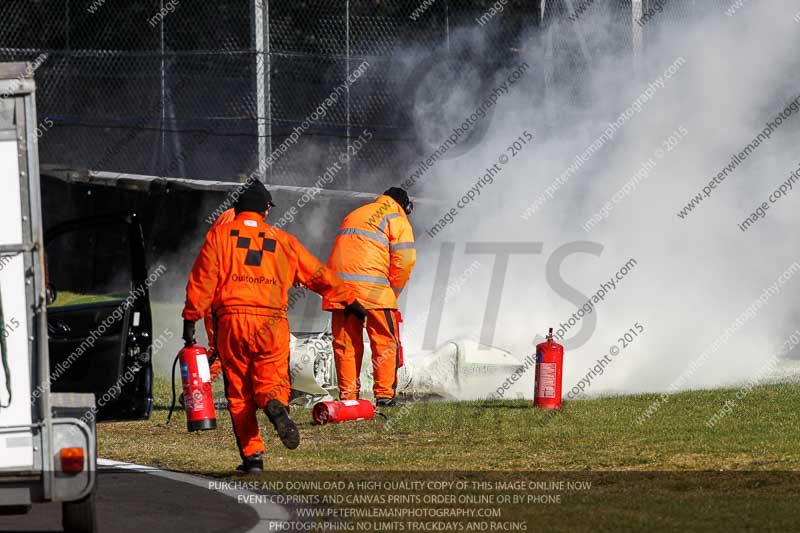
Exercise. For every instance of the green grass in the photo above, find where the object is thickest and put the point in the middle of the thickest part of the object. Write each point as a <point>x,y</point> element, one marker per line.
<point>66,298</point>
<point>762,433</point>
<point>671,472</point>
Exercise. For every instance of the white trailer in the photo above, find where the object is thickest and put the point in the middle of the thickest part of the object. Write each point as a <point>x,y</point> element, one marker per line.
<point>47,440</point>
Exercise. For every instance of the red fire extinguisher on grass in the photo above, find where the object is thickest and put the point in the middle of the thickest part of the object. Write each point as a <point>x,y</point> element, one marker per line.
<point>197,394</point>
<point>342,411</point>
<point>549,365</point>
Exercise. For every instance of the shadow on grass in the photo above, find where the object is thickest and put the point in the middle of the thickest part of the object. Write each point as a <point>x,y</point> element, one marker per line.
<point>490,406</point>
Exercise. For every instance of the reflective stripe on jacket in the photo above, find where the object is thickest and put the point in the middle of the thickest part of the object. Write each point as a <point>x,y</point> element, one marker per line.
<point>374,253</point>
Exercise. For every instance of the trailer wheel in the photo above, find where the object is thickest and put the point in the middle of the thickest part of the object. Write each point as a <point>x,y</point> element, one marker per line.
<point>79,516</point>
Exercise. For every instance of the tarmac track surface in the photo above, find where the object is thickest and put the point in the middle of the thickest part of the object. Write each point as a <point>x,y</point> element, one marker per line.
<point>154,501</point>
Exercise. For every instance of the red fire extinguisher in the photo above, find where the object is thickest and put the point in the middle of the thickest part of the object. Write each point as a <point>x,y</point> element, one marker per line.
<point>399,319</point>
<point>342,411</point>
<point>549,365</point>
<point>197,394</point>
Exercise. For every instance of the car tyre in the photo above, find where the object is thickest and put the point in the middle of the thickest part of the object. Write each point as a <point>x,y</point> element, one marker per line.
<point>80,516</point>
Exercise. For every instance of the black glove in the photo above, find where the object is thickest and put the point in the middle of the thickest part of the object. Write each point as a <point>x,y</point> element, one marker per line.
<point>357,309</point>
<point>188,332</point>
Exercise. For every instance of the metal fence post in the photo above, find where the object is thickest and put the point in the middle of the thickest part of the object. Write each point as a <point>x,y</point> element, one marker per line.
<point>162,49</point>
<point>636,30</point>
<point>447,24</point>
<point>261,90</point>
<point>347,86</point>
<point>268,84</point>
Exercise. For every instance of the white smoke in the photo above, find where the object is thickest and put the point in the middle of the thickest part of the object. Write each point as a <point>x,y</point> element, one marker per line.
<point>694,275</point>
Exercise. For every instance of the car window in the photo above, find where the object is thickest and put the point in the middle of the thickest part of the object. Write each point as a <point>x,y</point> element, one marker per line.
<point>90,265</point>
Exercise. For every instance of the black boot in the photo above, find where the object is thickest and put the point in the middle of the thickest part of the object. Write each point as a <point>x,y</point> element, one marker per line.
<point>384,402</point>
<point>252,464</point>
<point>284,425</point>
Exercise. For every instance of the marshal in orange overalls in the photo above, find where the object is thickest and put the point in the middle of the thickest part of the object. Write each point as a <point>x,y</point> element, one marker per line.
<point>245,269</point>
<point>374,253</point>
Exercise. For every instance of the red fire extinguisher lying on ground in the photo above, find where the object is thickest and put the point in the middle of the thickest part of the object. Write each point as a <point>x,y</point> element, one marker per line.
<point>549,365</point>
<point>345,410</point>
<point>197,393</point>
<point>342,411</point>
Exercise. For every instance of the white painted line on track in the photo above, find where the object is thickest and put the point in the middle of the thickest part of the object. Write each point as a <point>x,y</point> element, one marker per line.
<point>267,511</point>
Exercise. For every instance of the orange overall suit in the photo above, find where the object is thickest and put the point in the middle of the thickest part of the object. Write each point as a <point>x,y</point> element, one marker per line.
<point>374,253</point>
<point>245,269</point>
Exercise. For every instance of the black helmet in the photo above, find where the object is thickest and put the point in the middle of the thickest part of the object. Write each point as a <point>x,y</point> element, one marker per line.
<point>401,197</point>
<point>254,197</point>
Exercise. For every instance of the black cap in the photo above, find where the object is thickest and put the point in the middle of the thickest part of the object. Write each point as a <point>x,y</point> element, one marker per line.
<point>401,197</point>
<point>255,198</point>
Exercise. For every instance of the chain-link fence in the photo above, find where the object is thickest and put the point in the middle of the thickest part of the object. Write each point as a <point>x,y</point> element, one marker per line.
<point>208,90</point>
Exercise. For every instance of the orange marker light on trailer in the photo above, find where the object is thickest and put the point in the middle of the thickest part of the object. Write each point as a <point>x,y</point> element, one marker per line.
<point>71,460</point>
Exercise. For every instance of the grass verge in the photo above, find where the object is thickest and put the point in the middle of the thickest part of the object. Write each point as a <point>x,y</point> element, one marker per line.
<point>761,433</point>
<point>671,472</point>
